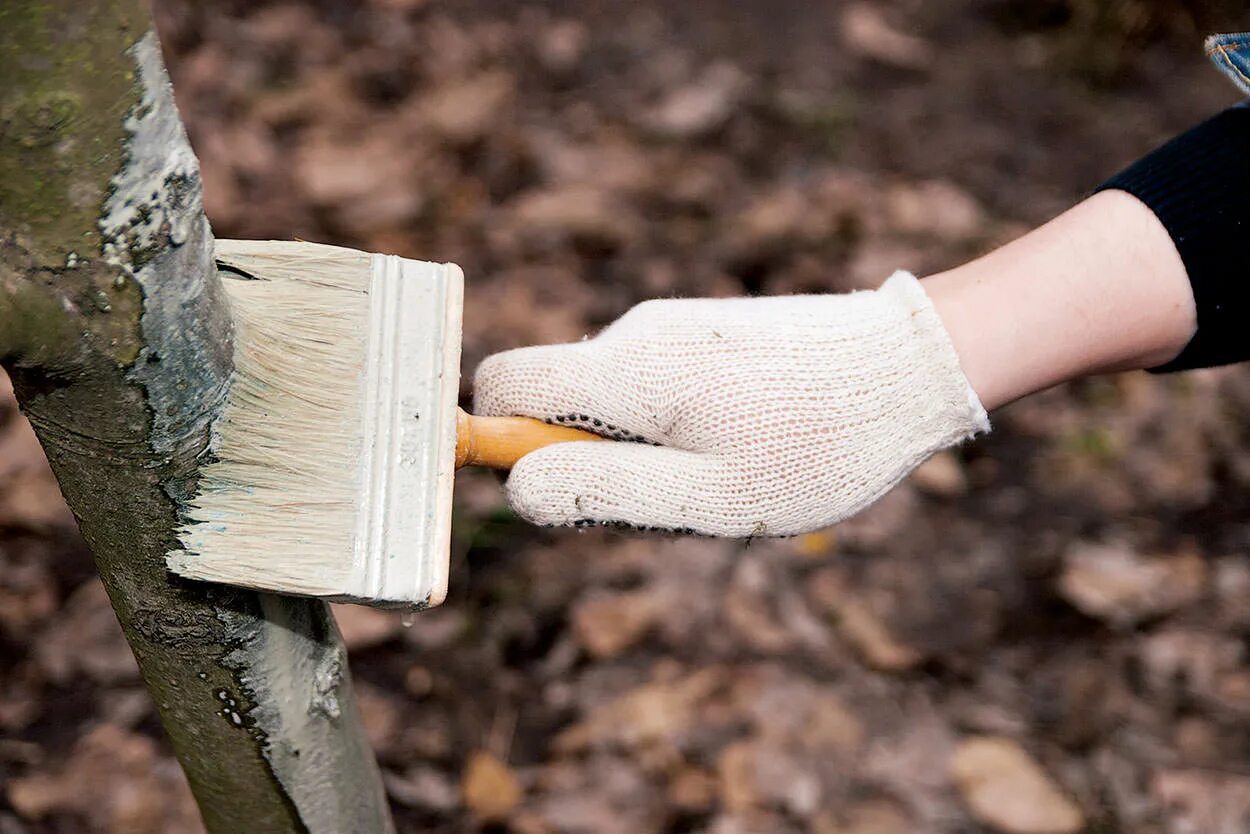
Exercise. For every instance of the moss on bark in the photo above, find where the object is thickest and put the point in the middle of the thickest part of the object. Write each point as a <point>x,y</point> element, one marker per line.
<point>67,88</point>
<point>57,318</point>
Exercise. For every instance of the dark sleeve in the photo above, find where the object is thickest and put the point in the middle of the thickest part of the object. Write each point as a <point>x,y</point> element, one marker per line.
<point>1198,185</point>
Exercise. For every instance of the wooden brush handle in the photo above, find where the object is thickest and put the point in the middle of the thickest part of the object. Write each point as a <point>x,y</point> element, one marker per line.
<point>499,442</point>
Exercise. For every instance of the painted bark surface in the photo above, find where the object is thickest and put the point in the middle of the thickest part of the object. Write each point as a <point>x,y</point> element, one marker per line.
<point>115,334</point>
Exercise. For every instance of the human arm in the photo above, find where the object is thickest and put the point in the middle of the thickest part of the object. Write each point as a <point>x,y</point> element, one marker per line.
<point>775,416</point>
<point>1153,271</point>
<point>1100,288</point>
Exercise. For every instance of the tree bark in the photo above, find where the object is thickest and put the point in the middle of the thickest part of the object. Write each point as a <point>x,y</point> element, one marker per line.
<point>117,337</point>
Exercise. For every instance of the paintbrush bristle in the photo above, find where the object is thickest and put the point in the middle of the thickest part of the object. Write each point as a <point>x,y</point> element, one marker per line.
<point>334,453</point>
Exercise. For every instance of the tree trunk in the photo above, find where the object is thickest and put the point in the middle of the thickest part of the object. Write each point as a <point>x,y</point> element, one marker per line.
<point>116,334</point>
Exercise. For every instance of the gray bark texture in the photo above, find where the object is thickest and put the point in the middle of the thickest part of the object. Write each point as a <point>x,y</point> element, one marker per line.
<point>117,337</point>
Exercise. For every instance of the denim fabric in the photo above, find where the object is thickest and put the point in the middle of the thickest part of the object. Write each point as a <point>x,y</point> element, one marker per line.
<point>1231,53</point>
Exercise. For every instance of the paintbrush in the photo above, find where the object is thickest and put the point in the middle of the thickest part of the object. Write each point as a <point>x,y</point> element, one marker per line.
<point>332,462</point>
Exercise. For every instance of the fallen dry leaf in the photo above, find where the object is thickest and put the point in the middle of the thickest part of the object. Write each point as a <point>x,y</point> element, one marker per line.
<point>818,544</point>
<point>608,625</point>
<point>464,109</point>
<point>1115,583</point>
<point>701,106</point>
<point>735,773</point>
<point>866,32</point>
<point>692,789</point>
<point>935,207</point>
<point>1007,790</point>
<point>859,625</point>
<point>580,215</point>
<point>870,638</point>
<point>489,787</point>
<point>750,608</point>
<point>656,712</point>
<point>867,817</point>
<point>561,45</point>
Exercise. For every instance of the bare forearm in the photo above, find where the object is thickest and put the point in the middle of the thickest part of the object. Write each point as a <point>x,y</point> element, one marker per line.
<point>1099,288</point>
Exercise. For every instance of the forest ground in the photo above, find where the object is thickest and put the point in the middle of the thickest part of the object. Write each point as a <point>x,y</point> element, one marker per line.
<point>1058,613</point>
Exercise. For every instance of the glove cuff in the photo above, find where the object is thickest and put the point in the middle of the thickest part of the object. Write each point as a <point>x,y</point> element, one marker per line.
<point>951,390</point>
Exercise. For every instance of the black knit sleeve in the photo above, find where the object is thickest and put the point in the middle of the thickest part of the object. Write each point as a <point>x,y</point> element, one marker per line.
<point>1198,185</point>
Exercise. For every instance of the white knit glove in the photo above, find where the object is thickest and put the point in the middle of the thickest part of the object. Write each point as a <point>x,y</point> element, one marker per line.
<point>751,416</point>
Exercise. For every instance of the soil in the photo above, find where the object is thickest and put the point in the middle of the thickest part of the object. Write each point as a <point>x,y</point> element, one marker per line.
<point>1047,630</point>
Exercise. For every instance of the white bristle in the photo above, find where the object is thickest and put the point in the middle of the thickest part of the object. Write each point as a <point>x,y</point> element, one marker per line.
<point>335,449</point>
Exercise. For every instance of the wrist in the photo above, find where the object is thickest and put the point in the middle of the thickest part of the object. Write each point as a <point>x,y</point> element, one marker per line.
<point>959,299</point>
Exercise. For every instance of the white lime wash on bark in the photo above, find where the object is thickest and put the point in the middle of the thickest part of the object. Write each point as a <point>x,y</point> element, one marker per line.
<point>153,225</point>
<point>289,662</point>
<point>300,688</point>
<point>141,210</point>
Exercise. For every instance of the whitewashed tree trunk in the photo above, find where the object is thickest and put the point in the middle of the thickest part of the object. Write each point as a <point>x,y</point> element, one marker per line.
<point>115,332</point>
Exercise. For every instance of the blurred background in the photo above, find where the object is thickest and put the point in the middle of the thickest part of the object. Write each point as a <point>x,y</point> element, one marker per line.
<point>1046,631</point>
